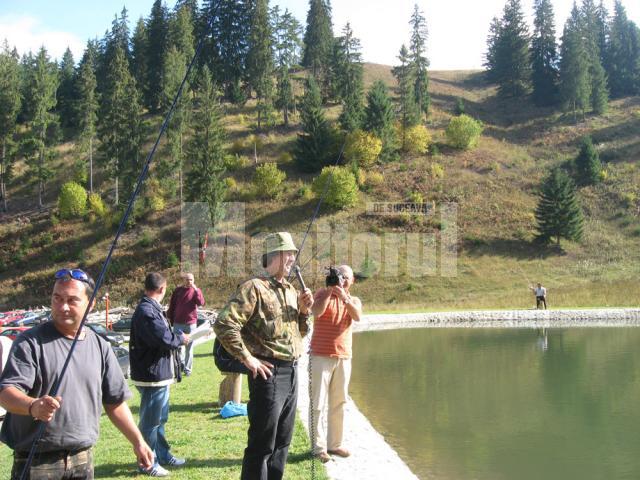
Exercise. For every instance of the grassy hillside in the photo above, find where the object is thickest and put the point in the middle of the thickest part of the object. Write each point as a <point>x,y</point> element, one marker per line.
<point>494,187</point>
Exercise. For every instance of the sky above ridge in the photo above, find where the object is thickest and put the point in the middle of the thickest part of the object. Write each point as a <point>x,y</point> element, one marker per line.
<point>457,28</point>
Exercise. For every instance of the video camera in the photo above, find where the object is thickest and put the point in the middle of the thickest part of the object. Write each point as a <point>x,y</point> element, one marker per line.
<point>335,278</point>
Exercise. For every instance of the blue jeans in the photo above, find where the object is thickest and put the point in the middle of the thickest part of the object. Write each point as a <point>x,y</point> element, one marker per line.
<point>154,413</point>
<point>186,352</point>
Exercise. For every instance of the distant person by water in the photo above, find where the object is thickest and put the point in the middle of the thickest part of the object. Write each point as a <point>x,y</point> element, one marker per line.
<point>541,295</point>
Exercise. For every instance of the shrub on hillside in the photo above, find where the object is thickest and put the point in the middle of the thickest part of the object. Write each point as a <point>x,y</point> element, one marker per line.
<point>417,139</point>
<point>437,170</point>
<point>463,132</point>
<point>72,202</point>
<point>342,189</point>
<point>267,180</point>
<point>236,162</point>
<point>363,148</point>
<point>97,207</point>
<point>374,179</point>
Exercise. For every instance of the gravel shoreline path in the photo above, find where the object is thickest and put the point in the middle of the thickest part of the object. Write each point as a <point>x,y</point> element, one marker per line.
<point>373,458</point>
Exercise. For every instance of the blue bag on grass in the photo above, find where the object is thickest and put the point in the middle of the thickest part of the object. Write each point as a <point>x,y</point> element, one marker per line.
<point>232,409</point>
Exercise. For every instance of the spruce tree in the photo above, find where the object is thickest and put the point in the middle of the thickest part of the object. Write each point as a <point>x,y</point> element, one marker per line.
<point>157,34</point>
<point>287,45</point>
<point>87,105</point>
<point>591,31</point>
<point>139,49</point>
<point>43,83</point>
<point>287,32</point>
<point>227,44</point>
<point>512,68</point>
<point>379,120</point>
<point>409,110</point>
<point>260,60</point>
<point>348,82</point>
<point>312,150</point>
<point>119,129</point>
<point>493,47</point>
<point>419,61</point>
<point>181,33</point>
<point>575,90</point>
<point>205,182</point>
<point>558,213</point>
<point>588,164</point>
<point>66,92</point>
<point>9,108</point>
<point>175,68</point>
<point>623,54</point>
<point>318,43</point>
<point>544,59</point>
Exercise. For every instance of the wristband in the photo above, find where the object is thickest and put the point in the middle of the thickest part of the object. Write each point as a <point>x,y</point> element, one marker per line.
<point>31,406</point>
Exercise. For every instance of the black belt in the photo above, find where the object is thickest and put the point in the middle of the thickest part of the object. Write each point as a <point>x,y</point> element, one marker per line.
<point>280,363</point>
<point>51,455</point>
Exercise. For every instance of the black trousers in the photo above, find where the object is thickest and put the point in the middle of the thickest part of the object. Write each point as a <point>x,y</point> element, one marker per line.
<point>272,413</point>
<point>541,301</point>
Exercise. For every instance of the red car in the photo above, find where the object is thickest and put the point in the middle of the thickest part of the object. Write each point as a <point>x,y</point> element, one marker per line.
<point>12,332</point>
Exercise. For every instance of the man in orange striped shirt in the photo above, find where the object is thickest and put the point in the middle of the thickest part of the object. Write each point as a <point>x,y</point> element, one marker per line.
<point>334,310</point>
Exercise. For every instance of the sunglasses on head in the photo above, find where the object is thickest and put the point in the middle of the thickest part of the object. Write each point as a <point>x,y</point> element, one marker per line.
<point>74,273</point>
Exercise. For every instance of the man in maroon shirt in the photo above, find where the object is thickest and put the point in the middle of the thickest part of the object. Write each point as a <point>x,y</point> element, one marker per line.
<point>183,315</point>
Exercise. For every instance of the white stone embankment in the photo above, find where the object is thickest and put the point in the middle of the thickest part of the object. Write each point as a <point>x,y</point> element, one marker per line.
<point>372,458</point>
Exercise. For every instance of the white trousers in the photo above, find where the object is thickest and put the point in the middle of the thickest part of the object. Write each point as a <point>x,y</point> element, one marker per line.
<point>329,389</point>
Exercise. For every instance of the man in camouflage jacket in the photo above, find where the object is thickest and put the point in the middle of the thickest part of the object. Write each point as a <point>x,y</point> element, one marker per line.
<point>262,325</point>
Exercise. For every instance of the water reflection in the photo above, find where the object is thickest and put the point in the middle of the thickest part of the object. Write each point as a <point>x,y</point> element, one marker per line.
<point>504,404</point>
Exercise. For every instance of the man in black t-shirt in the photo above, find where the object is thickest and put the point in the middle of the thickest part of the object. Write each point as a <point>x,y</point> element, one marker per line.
<point>93,379</point>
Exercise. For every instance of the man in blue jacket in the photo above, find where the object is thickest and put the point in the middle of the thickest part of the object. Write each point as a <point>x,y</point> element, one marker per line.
<point>153,348</point>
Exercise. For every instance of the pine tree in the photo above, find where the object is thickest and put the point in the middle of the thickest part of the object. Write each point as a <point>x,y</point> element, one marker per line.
<point>139,49</point>
<point>260,60</point>
<point>43,83</point>
<point>66,92</point>
<point>409,110</point>
<point>574,66</point>
<point>9,108</point>
<point>313,144</point>
<point>157,34</point>
<point>512,68</point>
<point>119,129</point>
<point>318,43</point>
<point>588,164</point>
<point>379,119</point>
<point>558,213</point>
<point>87,105</point>
<point>204,181</point>
<point>623,54</point>
<point>419,62</point>
<point>544,61</point>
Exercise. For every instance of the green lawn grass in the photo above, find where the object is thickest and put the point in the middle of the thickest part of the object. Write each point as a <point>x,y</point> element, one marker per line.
<point>212,445</point>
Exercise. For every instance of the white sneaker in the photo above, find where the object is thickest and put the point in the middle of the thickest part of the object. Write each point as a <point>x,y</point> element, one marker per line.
<point>156,471</point>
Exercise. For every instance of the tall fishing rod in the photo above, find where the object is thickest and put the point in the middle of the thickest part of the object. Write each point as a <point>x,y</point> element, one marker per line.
<point>143,174</point>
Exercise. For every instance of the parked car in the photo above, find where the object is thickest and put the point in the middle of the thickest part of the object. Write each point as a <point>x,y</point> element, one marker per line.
<point>114,338</point>
<point>30,321</point>
<point>122,354</point>
<point>12,332</point>
<point>122,326</point>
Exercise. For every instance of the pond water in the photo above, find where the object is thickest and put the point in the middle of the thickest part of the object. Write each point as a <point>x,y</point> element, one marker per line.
<point>504,404</point>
